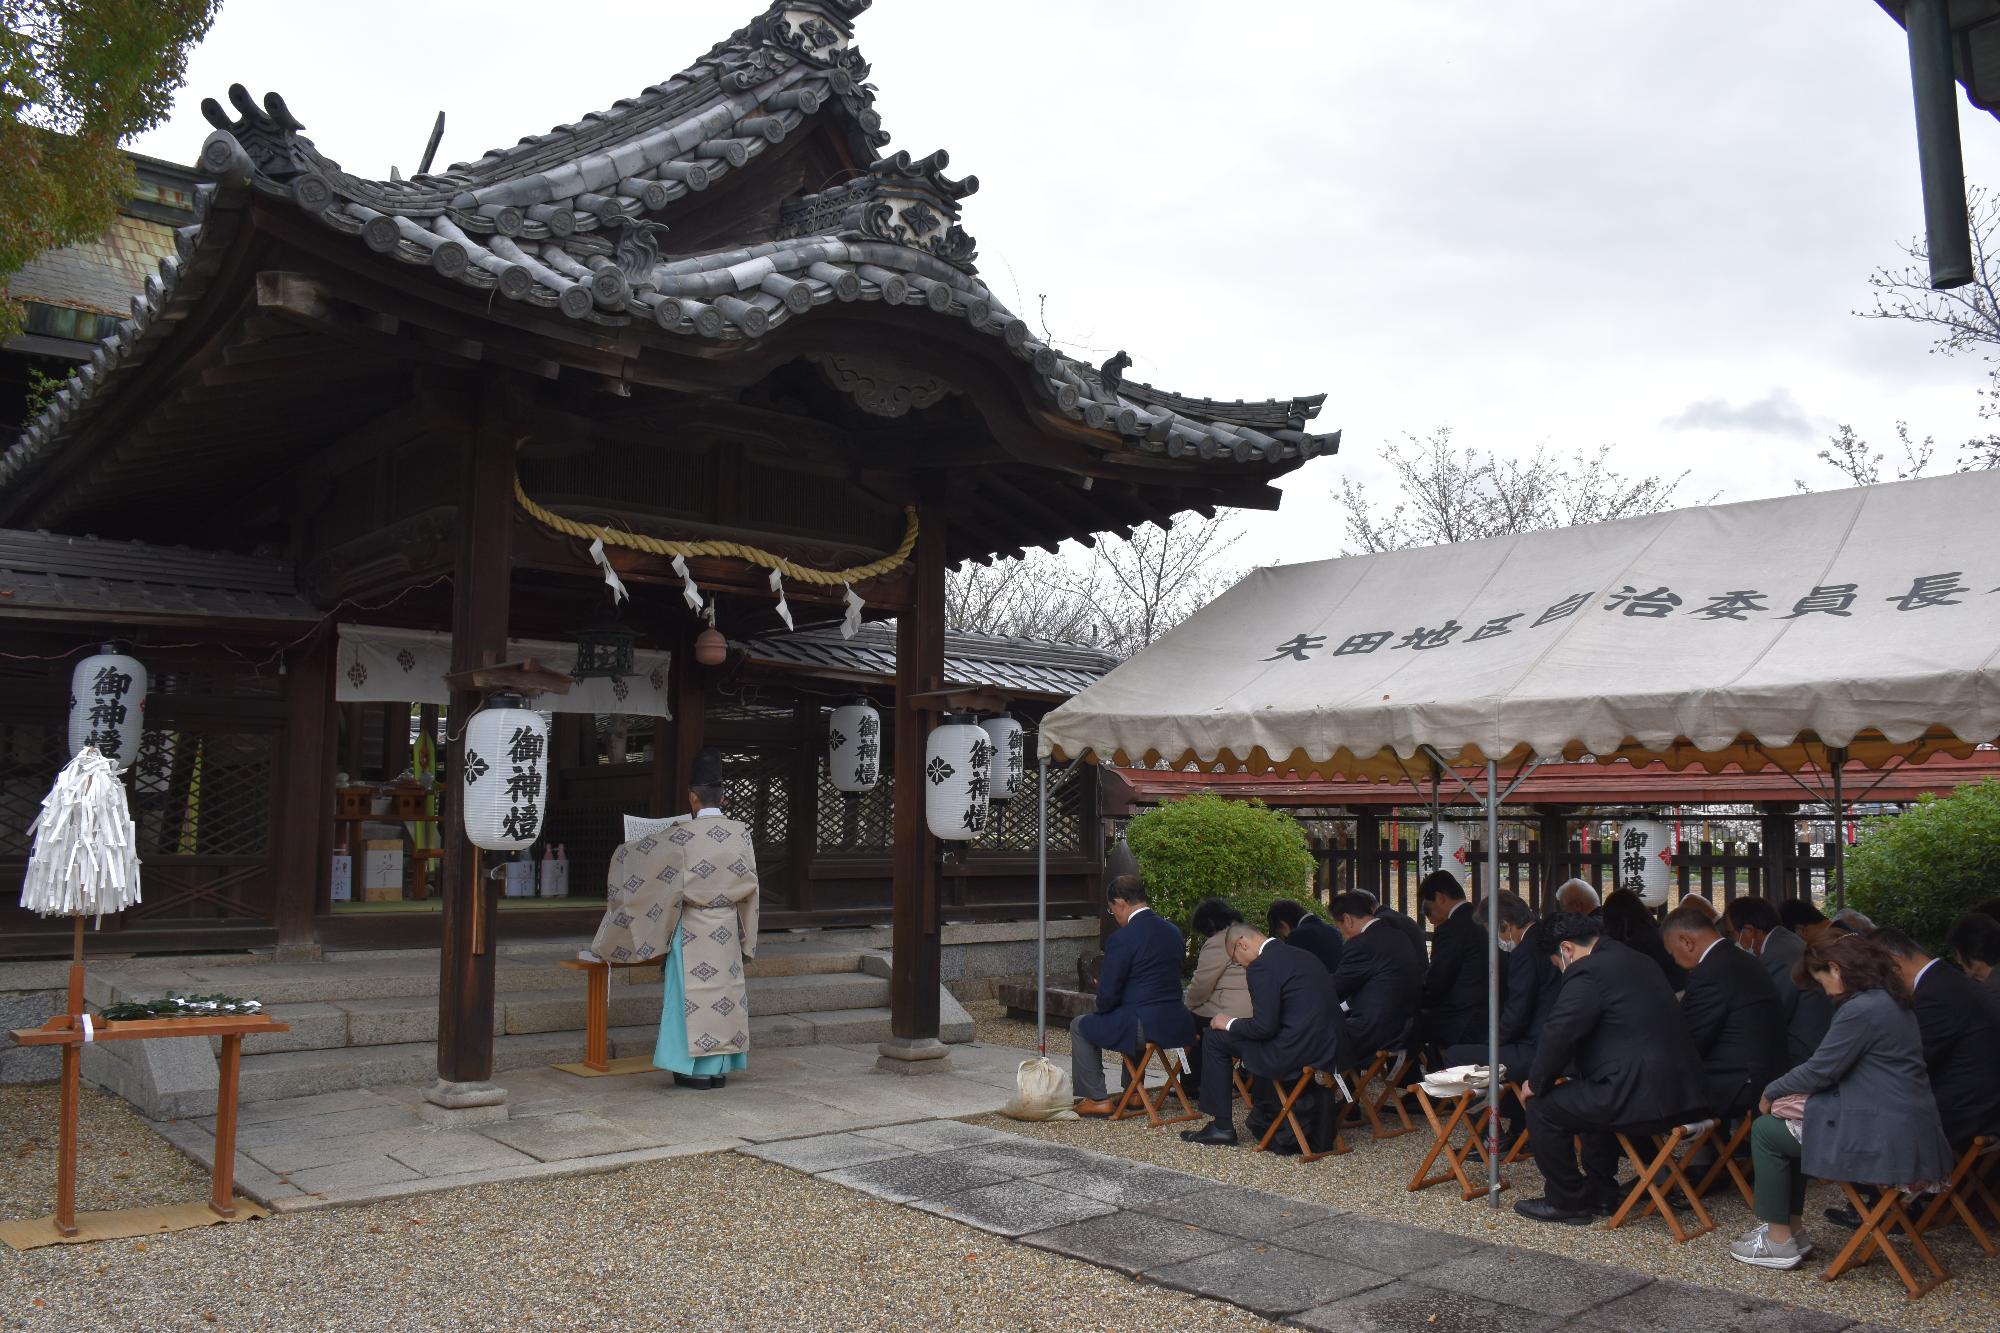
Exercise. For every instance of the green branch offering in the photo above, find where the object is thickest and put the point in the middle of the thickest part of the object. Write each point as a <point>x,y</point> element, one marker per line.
<point>181,1006</point>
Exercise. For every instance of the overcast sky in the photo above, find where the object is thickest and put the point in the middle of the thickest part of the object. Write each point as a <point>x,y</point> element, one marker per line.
<point>1644,223</point>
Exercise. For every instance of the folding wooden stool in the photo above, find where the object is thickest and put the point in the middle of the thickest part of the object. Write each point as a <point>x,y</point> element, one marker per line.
<point>1725,1161</point>
<point>1454,1153</point>
<point>1665,1158</point>
<point>1287,1114</point>
<point>1155,1108</point>
<point>1878,1221</point>
<point>1967,1182</point>
<point>1366,1106</point>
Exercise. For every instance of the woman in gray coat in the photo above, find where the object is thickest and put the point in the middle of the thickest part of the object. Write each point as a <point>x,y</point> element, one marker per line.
<point>1869,1114</point>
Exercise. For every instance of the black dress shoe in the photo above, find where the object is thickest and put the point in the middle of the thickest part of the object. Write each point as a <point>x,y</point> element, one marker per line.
<point>683,1081</point>
<point>1216,1135</point>
<point>1844,1216</point>
<point>718,1081</point>
<point>1542,1210</point>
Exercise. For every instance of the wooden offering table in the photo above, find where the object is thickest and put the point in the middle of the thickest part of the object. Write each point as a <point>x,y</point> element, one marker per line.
<point>597,1017</point>
<point>68,1032</point>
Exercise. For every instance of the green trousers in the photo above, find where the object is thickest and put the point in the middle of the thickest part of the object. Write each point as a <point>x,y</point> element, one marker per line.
<point>1780,1176</point>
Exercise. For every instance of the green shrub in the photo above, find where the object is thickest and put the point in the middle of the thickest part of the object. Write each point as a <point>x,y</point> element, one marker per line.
<point>1203,846</point>
<point>1921,870</point>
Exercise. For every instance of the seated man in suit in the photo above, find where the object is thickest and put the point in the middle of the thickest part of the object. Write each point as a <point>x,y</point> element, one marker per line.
<point>1528,983</point>
<point>1577,898</point>
<point>1405,925</point>
<point>1286,920</point>
<point>1454,996</point>
<point>1295,1022</point>
<point>1960,1040</point>
<point>1618,1029</point>
<point>1975,942</point>
<point>1138,995</point>
<point>1380,981</point>
<point>1754,925</point>
<point>1731,1009</point>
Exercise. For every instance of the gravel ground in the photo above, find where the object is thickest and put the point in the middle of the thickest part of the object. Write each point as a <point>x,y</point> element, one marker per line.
<point>720,1242</point>
<point>1374,1178</point>
<point>990,1025</point>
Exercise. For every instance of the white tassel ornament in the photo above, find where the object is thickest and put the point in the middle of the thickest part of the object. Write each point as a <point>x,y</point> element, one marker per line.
<point>86,857</point>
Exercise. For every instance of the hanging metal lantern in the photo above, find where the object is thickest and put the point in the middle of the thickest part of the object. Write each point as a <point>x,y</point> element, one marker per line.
<point>505,782</point>
<point>854,747</point>
<point>1010,756</point>
<point>604,652</point>
<point>958,760</point>
<point>1646,860</point>
<point>107,705</point>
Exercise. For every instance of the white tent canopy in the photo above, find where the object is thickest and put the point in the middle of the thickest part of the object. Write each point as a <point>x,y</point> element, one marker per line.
<point>1755,633</point>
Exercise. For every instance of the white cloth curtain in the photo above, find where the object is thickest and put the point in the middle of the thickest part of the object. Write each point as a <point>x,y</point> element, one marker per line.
<point>383,665</point>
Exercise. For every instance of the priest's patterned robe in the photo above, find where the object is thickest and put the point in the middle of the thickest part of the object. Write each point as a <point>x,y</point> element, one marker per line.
<point>697,879</point>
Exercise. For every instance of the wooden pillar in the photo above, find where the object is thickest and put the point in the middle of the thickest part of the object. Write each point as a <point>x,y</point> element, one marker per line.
<point>479,605</point>
<point>1553,833</point>
<point>305,807</point>
<point>802,818</point>
<point>1367,852</point>
<point>687,680</point>
<point>916,937</point>
<point>1780,833</point>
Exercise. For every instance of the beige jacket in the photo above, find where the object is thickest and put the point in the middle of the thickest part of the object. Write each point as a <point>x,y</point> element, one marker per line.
<point>1219,985</point>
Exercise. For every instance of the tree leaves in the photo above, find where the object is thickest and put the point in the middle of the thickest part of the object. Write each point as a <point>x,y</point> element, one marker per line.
<point>1921,870</point>
<point>77,79</point>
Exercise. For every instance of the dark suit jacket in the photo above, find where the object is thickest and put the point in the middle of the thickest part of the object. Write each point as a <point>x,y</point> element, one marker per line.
<point>1383,984</point>
<point>1295,1019</point>
<point>1454,1005</point>
<point>1318,939</point>
<point>1808,1012</point>
<point>1733,1015</point>
<point>1141,983</point>
<point>1529,983</point>
<point>1989,995</point>
<point>1617,1025</point>
<point>1961,1051</point>
<point>1410,929</point>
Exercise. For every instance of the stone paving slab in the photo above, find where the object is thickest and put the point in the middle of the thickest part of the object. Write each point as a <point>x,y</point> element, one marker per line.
<point>1130,1242</point>
<point>1266,1279</point>
<point>295,1202</point>
<point>935,1135</point>
<point>1126,1184</point>
<point>1670,1307</point>
<point>1386,1247</point>
<point>455,1152</point>
<point>1544,1283</point>
<point>1410,1307</point>
<point>1014,1208</point>
<point>353,1173</point>
<point>827,1152</point>
<point>563,1137</point>
<point>919,1176</point>
<point>1019,1157</point>
<point>1251,1214</point>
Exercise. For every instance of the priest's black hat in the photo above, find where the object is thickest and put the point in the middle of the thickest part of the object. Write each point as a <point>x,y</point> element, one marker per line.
<point>707,770</point>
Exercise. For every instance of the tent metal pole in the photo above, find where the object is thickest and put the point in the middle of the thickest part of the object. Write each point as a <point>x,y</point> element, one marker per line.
<point>1042,910</point>
<point>1493,1084</point>
<point>1838,760</point>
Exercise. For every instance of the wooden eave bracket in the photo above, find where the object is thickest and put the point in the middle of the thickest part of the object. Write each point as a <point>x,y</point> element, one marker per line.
<point>530,678</point>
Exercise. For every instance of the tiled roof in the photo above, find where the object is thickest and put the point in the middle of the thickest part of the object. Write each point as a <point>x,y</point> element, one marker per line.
<point>1011,665</point>
<point>99,275</point>
<point>48,572</point>
<point>570,222</point>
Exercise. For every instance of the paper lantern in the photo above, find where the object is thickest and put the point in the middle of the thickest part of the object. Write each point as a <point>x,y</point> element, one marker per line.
<point>854,747</point>
<point>1010,758</point>
<point>1646,860</point>
<point>1443,846</point>
<point>107,706</point>
<point>958,761</point>
<point>506,776</point>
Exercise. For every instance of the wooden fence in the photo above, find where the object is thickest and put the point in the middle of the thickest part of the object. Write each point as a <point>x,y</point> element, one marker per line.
<point>1720,871</point>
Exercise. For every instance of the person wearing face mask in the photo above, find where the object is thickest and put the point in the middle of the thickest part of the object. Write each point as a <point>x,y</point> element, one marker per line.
<point>1617,1029</point>
<point>1753,924</point>
<point>1528,983</point>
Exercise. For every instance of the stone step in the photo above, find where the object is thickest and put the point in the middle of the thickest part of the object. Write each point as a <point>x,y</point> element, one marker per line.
<point>393,1020</point>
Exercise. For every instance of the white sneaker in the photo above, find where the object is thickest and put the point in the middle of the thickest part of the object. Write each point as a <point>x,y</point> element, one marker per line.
<point>1759,1249</point>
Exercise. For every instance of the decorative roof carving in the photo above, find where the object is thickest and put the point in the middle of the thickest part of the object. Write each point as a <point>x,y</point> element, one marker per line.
<point>878,387</point>
<point>899,200</point>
